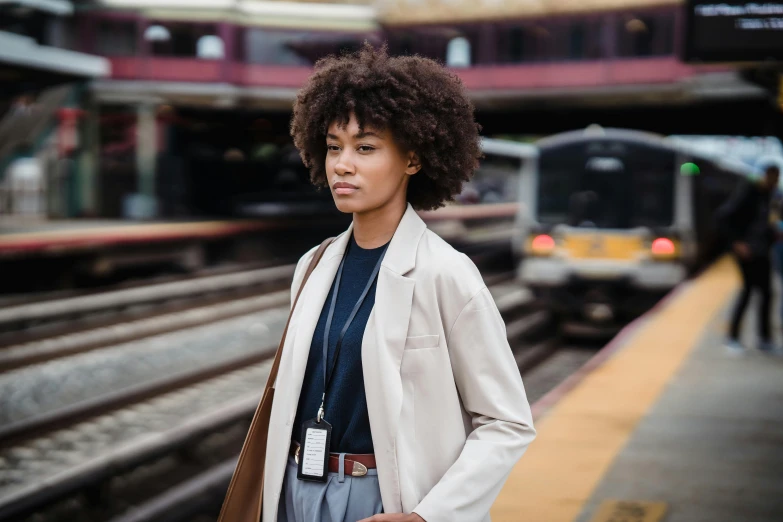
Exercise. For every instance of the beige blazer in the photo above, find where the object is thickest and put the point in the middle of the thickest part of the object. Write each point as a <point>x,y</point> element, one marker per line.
<point>448,412</point>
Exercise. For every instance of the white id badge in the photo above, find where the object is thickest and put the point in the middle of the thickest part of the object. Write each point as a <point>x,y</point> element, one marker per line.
<point>314,451</point>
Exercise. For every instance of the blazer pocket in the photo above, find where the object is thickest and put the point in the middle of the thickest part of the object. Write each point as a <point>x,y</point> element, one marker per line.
<point>420,342</point>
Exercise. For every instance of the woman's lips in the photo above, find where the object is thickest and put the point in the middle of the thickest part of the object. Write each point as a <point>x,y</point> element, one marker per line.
<point>344,189</point>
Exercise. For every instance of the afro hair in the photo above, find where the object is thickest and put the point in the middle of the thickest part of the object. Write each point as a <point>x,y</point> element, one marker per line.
<point>422,104</point>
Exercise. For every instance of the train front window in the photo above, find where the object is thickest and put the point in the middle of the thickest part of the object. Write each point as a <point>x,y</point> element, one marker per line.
<point>606,191</point>
<point>555,188</point>
<point>653,197</point>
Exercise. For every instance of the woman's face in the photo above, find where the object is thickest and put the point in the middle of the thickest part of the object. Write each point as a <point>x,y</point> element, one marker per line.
<point>366,170</point>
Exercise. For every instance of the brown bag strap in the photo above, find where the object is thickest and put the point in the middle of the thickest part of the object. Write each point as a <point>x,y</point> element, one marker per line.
<point>316,258</point>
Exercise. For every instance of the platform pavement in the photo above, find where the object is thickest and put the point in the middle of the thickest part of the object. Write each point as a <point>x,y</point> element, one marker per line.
<point>664,416</point>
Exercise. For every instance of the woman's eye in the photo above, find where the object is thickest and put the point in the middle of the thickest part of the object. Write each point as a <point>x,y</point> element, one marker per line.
<point>332,147</point>
<point>366,148</point>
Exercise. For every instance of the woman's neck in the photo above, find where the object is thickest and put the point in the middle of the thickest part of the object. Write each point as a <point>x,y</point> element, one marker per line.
<point>376,227</point>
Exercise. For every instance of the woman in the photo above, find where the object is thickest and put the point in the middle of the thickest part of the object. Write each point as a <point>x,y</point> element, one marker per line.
<point>421,405</point>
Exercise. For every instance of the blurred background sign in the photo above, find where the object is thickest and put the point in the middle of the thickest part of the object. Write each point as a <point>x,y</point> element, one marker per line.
<point>734,31</point>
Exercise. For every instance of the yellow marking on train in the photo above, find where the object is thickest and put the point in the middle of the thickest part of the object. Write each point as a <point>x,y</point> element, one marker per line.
<point>630,511</point>
<point>582,434</point>
<point>603,246</point>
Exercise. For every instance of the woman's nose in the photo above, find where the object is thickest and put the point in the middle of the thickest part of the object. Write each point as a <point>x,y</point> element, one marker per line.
<point>344,165</point>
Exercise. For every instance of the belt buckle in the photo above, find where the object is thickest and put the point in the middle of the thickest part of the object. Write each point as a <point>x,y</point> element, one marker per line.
<point>359,469</point>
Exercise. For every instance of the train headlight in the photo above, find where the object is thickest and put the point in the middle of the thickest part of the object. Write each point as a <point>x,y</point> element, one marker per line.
<point>542,245</point>
<point>663,248</point>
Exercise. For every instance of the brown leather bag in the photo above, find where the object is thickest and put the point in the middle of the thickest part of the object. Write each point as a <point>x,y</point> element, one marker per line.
<point>244,504</point>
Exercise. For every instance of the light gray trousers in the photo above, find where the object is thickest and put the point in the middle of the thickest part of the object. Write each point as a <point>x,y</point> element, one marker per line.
<point>342,498</point>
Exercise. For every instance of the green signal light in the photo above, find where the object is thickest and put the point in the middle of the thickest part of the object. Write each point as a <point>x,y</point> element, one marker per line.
<point>690,169</point>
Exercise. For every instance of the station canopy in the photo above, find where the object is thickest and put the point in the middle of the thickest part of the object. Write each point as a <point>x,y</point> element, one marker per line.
<point>409,12</point>
<point>54,7</point>
<point>27,66</point>
<point>349,15</point>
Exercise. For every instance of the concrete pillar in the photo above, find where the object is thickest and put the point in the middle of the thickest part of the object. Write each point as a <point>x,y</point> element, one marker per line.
<point>145,205</point>
<point>73,168</point>
<point>87,166</point>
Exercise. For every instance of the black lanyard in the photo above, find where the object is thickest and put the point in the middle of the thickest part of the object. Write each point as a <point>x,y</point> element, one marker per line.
<point>328,374</point>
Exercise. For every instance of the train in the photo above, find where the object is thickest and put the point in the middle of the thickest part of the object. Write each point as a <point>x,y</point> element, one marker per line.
<point>610,220</point>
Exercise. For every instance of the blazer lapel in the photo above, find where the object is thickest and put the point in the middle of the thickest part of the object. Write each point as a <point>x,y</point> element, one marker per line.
<point>292,367</point>
<point>310,306</point>
<point>382,348</point>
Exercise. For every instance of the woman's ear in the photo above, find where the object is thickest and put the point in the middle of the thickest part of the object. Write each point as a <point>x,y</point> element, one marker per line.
<point>414,165</point>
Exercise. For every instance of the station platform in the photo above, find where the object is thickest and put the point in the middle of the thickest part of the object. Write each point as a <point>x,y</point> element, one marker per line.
<point>663,424</point>
<point>50,255</point>
<point>23,238</point>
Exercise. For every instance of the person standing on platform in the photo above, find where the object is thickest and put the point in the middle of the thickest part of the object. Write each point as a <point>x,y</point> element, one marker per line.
<point>398,398</point>
<point>749,230</point>
<point>777,249</point>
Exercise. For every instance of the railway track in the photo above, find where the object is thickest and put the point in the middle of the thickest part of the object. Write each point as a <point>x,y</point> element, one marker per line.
<point>144,278</point>
<point>36,321</point>
<point>78,450</point>
<point>119,332</point>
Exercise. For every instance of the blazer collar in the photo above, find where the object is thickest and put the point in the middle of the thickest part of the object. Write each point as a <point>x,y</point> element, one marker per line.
<point>401,255</point>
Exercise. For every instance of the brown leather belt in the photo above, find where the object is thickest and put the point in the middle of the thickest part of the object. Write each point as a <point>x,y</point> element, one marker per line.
<point>355,465</point>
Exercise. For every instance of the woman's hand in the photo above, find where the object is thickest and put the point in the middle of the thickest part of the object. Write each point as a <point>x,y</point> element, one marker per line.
<point>394,517</point>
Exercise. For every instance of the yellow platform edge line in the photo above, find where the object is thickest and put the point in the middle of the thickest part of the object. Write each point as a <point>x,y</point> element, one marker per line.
<point>583,433</point>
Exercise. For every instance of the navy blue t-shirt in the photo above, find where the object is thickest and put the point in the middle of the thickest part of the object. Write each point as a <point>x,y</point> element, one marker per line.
<point>346,402</point>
